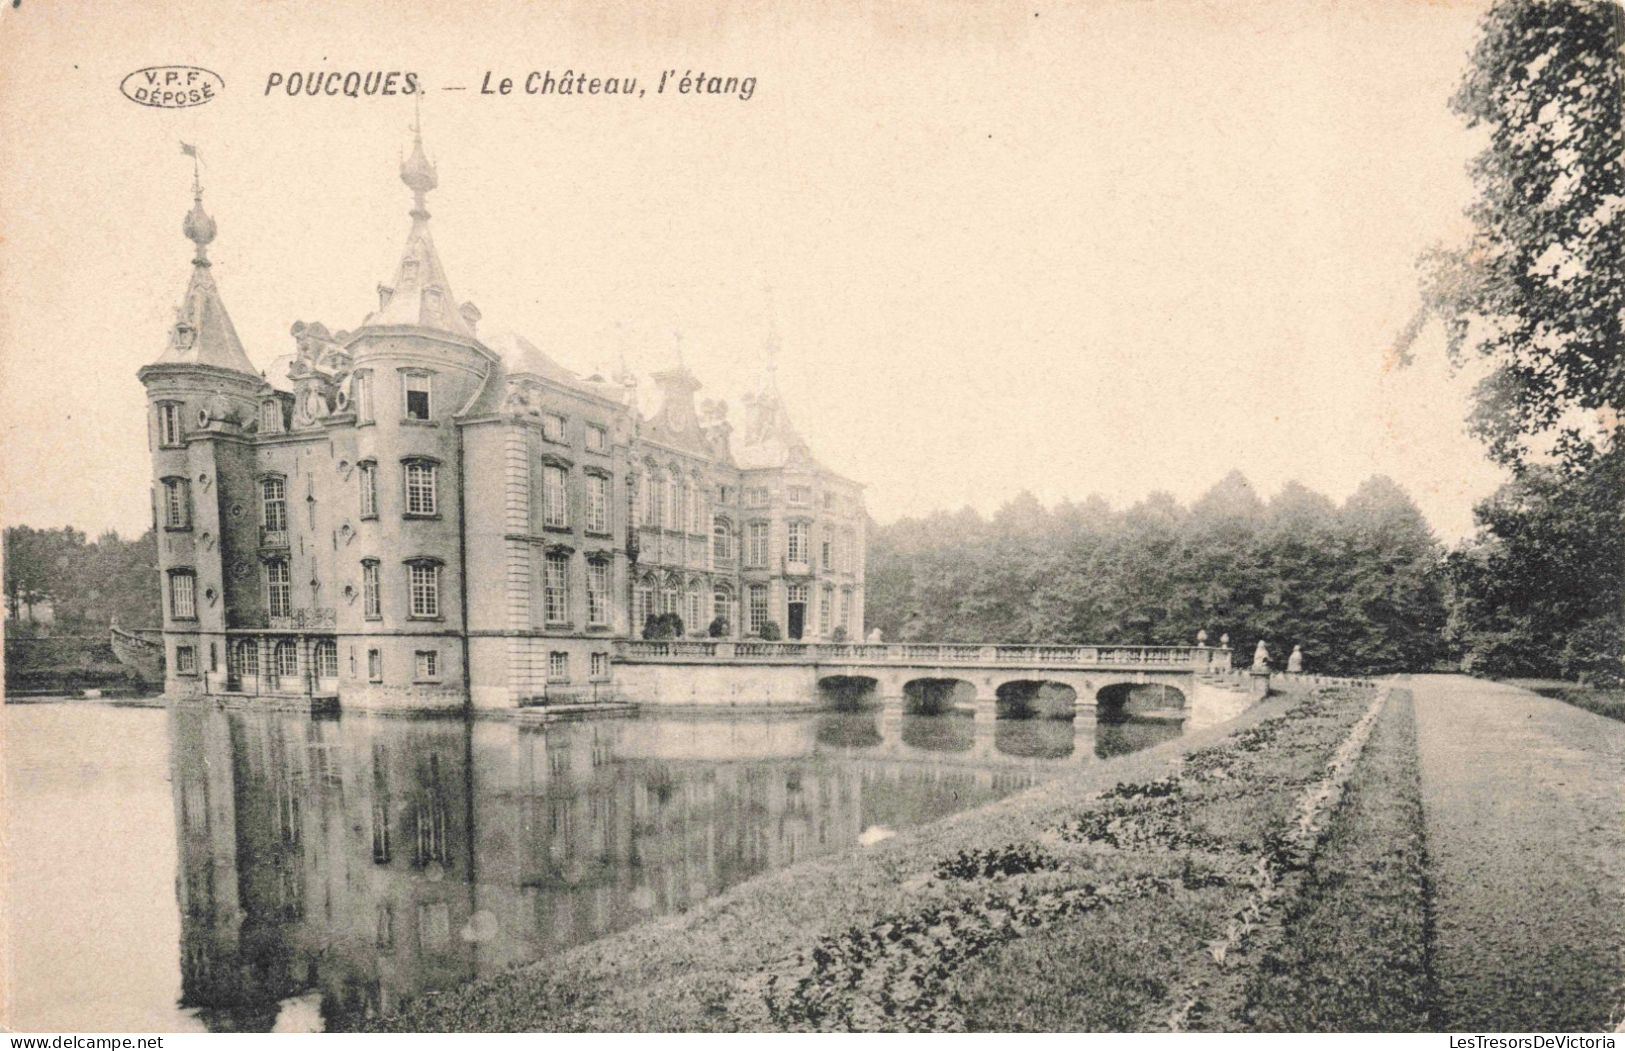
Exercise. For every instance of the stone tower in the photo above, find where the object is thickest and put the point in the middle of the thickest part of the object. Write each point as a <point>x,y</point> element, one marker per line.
<point>202,398</point>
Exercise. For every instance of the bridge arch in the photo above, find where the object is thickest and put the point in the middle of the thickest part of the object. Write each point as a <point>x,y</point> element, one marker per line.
<point>1035,699</point>
<point>936,696</point>
<point>848,693</point>
<point>1123,700</point>
<point>848,729</point>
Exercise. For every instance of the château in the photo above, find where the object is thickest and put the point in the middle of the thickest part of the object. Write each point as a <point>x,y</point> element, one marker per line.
<point>410,516</point>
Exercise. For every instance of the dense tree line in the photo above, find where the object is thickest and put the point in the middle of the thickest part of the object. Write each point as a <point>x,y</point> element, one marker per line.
<point>87,583</point>
<point>1536,295</point>
<point>1358,587</point>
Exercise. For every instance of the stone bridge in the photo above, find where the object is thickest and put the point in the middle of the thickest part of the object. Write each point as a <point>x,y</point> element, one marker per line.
<point>989,680</point>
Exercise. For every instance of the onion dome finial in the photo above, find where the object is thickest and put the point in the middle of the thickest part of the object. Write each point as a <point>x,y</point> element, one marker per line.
<point>198,227</point>
<point>416,171</point>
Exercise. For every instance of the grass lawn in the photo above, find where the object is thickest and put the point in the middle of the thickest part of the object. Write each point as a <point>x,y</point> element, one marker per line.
<point>1098,902</point>
<point>1594,699</point>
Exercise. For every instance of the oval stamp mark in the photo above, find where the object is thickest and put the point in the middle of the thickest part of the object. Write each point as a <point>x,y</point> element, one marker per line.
<point>172,87</point>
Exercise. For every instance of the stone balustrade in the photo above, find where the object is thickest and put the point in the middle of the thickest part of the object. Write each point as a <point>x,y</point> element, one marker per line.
<point>920,653</point>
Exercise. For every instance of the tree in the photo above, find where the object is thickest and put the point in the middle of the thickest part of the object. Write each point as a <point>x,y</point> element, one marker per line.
<point>1538,292</point>
<point>1356,587</point>
<point>1537,591</point>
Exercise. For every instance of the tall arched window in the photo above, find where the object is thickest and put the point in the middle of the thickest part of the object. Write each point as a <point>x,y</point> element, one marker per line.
<point>655,502</point>
<point>722,605</point>
<point>694,616</point>
<point>642,603</point>
<point>722,542</point>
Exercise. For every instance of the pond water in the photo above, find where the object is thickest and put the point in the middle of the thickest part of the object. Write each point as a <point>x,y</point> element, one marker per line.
<point>190,869</point>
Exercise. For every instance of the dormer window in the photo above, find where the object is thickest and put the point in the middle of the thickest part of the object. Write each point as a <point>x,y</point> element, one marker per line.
<point>417,388</point>
<point>799,495</point>
<point>597,438</point>
<point>270,418</point>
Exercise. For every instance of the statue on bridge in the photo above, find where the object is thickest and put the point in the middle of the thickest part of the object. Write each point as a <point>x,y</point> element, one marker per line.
<point>1294,663</point>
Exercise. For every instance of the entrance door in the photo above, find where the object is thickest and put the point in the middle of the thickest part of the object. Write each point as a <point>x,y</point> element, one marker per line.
<point>798,618</point>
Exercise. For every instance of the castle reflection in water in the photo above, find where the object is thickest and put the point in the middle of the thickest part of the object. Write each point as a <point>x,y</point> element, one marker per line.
<point>348,865</point>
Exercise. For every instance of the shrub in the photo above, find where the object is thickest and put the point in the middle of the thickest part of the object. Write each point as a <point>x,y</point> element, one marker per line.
<point>770,632</point>
<point>719,628</point>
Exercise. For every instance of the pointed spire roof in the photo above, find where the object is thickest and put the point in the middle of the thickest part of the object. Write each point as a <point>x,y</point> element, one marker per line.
<point>419,295</point>
<point>770,439</point>
<point>203,333</point>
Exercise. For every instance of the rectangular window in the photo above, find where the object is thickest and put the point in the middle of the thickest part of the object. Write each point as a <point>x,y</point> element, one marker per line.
<point>555,496</point>
<point>428,665</point>
<point>556,588</point>
<point>421,498</point>
<point>597,438</point>
<point>758,608</point>
<point>553,427</point>
<point>798,540</point>
<point>825,553</point>
<point>799,495</point>
<point>826,608</point>
<point>756,546</point>
<point>846,611</point>
<point>271,417</point>
<point>757,497</point>
<point>600,665</point>
<point>278,588</point>
<point>375,665</point>
<point>274,509</point>
<point>327,659</point>
<point>372,606</point>
<point>417,389</point>
<point>169,423</point>
<point>177,505</point>
<point>424,581</point>
<point>597,503</point>
<point>597,592</point>
<point>368,474</point>
<point>558,666</point>
<point>696,609</point>
<point>185,660</point>
<point>725,494</point>
<point>361,396</point>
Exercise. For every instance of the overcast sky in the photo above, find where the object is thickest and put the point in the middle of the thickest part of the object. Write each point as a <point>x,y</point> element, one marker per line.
<point>1097,248</point>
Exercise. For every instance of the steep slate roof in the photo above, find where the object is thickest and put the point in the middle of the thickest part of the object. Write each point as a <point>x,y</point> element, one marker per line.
<point>203,333</point>
<point>420,294</point>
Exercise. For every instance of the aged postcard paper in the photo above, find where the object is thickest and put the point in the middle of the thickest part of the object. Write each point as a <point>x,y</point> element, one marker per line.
<point>882,516</point>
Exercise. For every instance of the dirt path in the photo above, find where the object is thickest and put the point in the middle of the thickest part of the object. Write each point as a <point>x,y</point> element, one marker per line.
<point>1523,799</point>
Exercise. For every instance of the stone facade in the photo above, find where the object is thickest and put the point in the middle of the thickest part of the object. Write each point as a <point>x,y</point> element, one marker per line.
<point>414,516</point>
